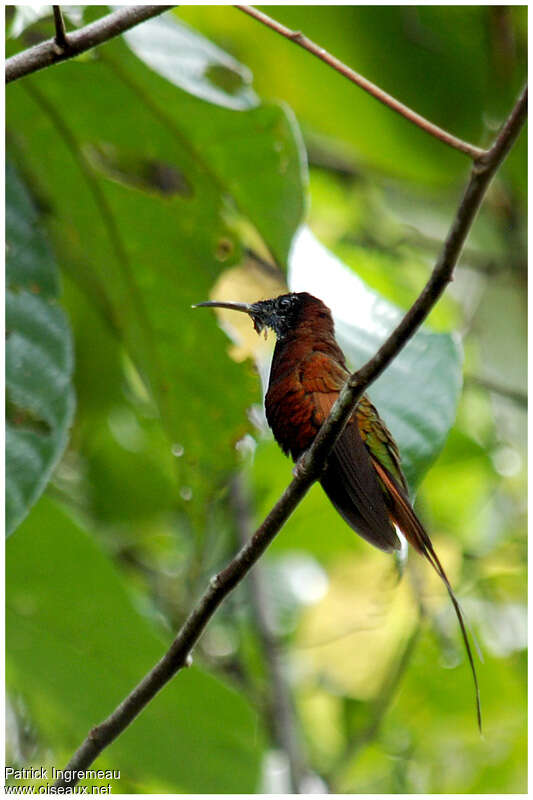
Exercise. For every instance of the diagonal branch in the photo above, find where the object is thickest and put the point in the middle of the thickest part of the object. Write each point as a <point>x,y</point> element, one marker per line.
<point>312,463</point>
<point>417,119</point>
<point>62,47</point>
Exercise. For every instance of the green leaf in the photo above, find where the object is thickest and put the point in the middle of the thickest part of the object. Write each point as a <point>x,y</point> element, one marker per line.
<point>30,263</point>
<point>140,258</point>
<point>262,164</point>
<point>258,156</point>
<point>192,62</point>
<point>77,647</point>
<point>418,393</point>
<point>143,255</point>
<point>39,359</point>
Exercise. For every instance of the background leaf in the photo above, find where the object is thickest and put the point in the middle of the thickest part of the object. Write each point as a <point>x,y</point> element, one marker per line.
<point>102,648</point>
<point>453,65</point>
<point>144,284</point>
<point>39,360</point>
<point>259,156</point>
<point>192,62</point>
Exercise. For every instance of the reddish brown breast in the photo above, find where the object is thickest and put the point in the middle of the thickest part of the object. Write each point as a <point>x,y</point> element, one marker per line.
<point>308,361</point>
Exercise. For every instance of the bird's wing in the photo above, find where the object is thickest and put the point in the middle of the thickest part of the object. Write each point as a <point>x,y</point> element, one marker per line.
<point>350,480</point>
<point>379,441</point>
<point>325,375</point>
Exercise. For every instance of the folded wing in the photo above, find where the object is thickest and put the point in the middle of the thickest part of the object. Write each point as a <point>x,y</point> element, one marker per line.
<point>350,480</point>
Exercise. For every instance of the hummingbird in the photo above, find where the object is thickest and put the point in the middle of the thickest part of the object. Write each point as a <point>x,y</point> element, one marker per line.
<point>363,476</point>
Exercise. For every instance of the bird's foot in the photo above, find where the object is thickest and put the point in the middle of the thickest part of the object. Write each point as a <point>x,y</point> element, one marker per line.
<point>302,465</point>
<point>299,468</point>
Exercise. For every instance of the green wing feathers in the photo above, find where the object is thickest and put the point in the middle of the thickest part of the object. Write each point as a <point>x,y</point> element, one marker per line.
<point>379,441</point>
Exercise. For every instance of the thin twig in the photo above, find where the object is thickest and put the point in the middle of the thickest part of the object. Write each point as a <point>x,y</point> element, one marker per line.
<point>379,94</point>
<point>281,710</point>
<point>51,52</point>
<point>61,34</point>
<point>310,466</point>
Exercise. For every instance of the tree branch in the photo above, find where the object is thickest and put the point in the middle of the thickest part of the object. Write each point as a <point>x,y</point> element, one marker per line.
<point>62,47</point>
<point>417,119</point>
<point>311,464</point>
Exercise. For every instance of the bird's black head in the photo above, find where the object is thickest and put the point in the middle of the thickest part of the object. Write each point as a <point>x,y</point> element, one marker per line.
<point>282,314</point>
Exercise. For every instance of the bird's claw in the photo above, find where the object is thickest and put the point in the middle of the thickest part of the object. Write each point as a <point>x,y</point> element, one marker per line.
<point>299,468</point>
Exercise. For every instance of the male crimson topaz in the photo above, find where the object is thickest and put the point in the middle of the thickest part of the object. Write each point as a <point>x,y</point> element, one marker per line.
<point>363,477</point>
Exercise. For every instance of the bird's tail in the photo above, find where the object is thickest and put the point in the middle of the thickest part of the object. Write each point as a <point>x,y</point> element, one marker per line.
<point>415,533</point>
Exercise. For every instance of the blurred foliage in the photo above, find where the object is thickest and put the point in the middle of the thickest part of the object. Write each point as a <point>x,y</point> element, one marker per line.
<point>39,363</point>
<point>144,169</point>
<point>201,713</point>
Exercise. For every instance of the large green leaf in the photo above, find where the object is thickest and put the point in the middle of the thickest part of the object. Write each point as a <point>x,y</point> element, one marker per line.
<point>259,156</point>
<point>146,236</point>
<point>39,360</point>
<point>77,646</point>
<point>192,62</point>
<point>418,393</point>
